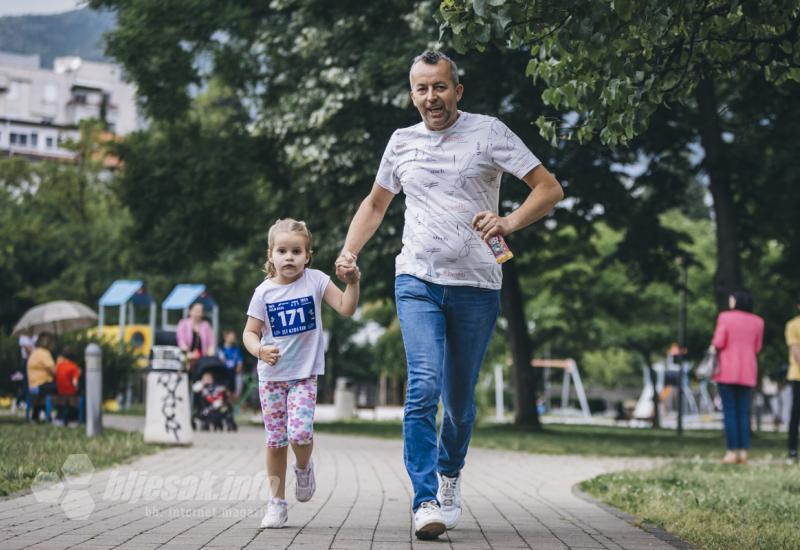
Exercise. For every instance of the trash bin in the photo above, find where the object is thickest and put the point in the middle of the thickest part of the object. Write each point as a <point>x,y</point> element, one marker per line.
<point>168,415</point>
<point>344,398</point>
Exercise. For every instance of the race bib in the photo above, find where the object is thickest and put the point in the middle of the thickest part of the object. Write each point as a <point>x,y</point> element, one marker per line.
<point>292,316</point>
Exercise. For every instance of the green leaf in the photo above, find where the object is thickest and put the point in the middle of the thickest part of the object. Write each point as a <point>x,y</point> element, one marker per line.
<point>624,8</point>
<point>484,35</point>
<point>530,70</point>
<point>479,7</point>
<point>793,74</point>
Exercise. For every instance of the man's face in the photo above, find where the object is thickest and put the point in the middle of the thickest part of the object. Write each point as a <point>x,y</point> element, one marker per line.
<point>434,94</point>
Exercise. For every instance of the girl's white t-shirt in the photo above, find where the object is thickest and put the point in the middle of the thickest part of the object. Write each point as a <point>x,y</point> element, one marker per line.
<point>448,176</point>
<point>292,316</point>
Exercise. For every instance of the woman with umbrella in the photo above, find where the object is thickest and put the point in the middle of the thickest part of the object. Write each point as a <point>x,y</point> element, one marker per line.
<point>46,319</point>
<point>41,373</point>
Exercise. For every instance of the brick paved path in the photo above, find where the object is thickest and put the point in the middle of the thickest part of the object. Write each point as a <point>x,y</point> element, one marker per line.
<point>512,500</point>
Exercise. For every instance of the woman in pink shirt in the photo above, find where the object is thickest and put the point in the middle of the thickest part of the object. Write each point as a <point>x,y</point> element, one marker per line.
<point>737,339</point>
<point>195,335</point>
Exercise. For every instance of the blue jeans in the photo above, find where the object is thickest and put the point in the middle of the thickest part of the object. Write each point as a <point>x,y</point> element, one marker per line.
<point>446,330</point>
<point>736,414</point>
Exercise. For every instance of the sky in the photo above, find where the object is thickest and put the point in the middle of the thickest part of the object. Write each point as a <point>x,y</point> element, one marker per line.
<point>24,7</point>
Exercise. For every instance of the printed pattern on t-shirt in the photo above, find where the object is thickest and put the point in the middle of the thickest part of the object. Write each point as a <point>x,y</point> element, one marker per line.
<point>447,178</point>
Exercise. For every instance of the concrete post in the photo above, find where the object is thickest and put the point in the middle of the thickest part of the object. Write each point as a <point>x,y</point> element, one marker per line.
<point>498,393</point>
<point>94,390</point>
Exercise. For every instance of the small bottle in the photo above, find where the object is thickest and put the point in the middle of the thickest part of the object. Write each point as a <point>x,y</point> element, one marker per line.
<point>500,249</point>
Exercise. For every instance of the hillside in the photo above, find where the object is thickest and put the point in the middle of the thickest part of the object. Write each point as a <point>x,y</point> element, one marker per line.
<point>78,32</point>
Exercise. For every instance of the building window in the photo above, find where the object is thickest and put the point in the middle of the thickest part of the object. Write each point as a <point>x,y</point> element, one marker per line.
<point>12,138</point>
<point>48,142</point>
<point>23,139</point>
<point>34,139</point>
<point>13,90</point>
<point>50,93</point>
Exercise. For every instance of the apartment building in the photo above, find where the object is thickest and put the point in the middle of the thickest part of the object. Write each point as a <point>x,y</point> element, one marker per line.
<point>41,108</point>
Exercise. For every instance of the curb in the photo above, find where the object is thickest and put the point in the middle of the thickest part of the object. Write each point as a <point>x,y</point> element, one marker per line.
<point>657,532</point>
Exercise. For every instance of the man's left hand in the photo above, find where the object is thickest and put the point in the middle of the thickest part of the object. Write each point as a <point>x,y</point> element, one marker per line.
<point>489,224</point>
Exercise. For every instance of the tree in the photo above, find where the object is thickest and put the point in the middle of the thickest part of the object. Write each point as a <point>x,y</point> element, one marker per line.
<point>191,184</point>
<point>616,63</point>
<point>323,85</point>
<point>61,226</point>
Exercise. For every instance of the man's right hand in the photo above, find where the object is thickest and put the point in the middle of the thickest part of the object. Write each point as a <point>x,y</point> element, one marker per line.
<point>346,269</point>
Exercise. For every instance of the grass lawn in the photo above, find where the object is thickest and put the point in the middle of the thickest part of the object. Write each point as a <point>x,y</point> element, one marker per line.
<point>27,449</point>
<point>585,440</point>
<point>711,505</point>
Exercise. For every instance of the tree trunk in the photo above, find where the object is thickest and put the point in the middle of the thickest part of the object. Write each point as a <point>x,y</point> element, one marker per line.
<point>382,388</point>
<point>524,376</point>
<point>728,276</point>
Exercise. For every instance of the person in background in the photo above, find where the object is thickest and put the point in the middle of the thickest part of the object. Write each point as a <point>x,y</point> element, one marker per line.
<point>737,339</point>
<point>20,377</point>
<point>231,353</point>
<point>68,375</point>
<point>793,377</point>
<point>194,334</point>
<point>41,373</point>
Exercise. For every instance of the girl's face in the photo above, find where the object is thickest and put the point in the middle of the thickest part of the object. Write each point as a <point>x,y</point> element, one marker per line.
<point>289,254</point>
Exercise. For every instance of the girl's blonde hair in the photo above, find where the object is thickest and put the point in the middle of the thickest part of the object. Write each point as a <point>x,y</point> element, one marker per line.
<point>287,225</point>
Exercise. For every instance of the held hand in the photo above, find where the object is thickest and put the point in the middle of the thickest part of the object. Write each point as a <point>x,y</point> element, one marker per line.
<point>346,268</point>
<point>269,354</point>
<point>489,224</point>
<point>351,277</point>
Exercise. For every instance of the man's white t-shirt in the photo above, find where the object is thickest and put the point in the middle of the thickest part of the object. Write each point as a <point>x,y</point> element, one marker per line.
<point>292,316</point>
<point>448,176</point>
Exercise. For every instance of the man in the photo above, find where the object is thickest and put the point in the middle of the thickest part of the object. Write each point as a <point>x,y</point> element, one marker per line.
<point>793,343</point>
<point>447,288</point>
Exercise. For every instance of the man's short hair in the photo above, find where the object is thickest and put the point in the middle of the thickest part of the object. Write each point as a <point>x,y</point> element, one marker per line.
<point>432,57</point>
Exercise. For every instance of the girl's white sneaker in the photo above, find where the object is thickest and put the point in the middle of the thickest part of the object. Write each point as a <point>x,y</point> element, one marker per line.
<point>304,484</point>
<point>277,514</point>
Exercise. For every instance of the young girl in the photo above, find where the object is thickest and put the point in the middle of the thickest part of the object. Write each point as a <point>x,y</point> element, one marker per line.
<point>284,331</point>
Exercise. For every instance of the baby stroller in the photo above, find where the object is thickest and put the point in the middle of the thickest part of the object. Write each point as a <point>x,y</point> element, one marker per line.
<point>211,405</point>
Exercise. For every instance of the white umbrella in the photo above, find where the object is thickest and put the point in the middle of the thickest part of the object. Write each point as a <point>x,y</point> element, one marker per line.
<point>56,317</point>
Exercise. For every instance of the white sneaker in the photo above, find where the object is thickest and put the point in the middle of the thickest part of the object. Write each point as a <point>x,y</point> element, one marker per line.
<point>428,521</point>
<point>277,514</point>
<point>449,495</point>
<point>305,484</point>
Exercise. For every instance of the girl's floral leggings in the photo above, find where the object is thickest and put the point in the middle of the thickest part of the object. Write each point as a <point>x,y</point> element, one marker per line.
<point>288,410</point>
